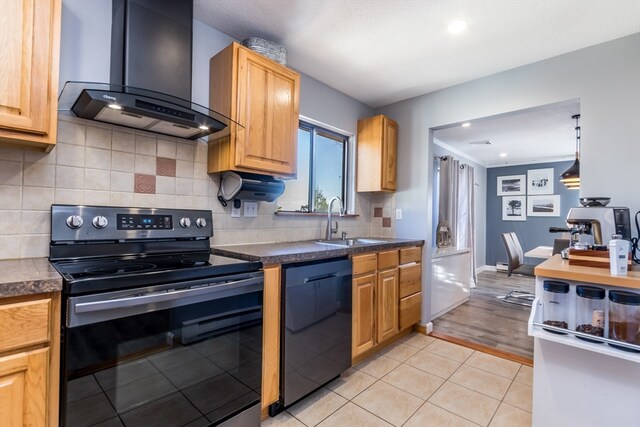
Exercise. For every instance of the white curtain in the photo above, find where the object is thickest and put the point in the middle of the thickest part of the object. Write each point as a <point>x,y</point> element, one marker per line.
<point>466,231</point>
<point>447,203</point>
<point>456,208</point>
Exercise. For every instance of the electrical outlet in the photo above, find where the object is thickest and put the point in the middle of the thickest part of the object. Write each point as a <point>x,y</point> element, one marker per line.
<point>250,209</point>
<point>398,213</point>
<point>235,212</point>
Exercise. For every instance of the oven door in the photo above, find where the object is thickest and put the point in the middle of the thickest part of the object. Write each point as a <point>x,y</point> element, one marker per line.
<point>173,355</point>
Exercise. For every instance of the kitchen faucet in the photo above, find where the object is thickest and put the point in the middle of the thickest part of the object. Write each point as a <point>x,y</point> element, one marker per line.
<point>330,229</point>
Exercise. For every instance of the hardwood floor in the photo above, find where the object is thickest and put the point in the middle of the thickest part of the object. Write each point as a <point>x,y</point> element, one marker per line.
<point>487,320</point>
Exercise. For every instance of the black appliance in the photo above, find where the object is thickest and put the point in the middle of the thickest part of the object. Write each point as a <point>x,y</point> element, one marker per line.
<point>316,327</point>
<point>155,329</point>
<point>150,82</point>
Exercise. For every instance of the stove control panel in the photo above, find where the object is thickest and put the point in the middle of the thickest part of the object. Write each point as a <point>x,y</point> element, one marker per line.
<point>144,222</point>
<point>69,223</point>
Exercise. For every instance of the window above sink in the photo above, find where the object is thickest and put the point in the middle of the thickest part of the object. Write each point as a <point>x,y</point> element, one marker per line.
<point>323,170</point>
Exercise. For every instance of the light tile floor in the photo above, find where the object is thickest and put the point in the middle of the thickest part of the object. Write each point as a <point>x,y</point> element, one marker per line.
<point>420,381</point>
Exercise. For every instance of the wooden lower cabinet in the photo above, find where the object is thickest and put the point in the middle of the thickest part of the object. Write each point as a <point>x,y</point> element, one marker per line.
<point>29,360</point>
<point>363,318</point>
<point>23,388</point>
<point>387,297</point>
<point>387,304</point>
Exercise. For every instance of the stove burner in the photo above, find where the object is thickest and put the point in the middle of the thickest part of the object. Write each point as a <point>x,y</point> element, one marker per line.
<point>127,267</point>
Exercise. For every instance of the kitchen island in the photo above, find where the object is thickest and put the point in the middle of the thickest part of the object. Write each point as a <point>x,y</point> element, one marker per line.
<point>392,263</point>
<point>576,382</point>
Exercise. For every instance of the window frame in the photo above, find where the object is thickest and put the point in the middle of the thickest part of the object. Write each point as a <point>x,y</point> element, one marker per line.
<point>315,129</point>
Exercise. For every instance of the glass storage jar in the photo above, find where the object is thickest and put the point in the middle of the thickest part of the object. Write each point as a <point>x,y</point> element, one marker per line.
<point>624,318</point>
<point>555,300</point>
<point>590,311</point>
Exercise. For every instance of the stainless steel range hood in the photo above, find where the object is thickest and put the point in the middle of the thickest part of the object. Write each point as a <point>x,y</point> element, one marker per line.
<point>150,86</point>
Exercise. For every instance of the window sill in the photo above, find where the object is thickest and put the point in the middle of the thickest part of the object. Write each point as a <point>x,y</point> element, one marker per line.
<point>306,214</point>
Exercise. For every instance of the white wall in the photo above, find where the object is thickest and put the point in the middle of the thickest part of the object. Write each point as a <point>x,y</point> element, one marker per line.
<point>604,77</point>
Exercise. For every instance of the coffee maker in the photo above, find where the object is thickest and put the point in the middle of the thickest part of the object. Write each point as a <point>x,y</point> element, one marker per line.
<point>596,225</point>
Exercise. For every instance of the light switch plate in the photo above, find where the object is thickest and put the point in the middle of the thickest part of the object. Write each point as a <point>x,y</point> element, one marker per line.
<point>398,213</point>
<point>250,209</point>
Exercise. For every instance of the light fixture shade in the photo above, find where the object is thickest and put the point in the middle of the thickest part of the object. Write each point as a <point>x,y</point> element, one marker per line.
<point>572,174</point>
<point>571,177</point>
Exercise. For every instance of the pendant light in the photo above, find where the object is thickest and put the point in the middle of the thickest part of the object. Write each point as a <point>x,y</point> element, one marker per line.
<point>571,177</point>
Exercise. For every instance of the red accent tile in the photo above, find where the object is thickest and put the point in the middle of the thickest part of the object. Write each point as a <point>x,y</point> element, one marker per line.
<point>386,221</point>
<point>377,212</point>
<point>145,184</point>
<point>165,166</point>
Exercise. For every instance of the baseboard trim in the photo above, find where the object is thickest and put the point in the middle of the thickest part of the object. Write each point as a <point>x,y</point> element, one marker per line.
<point>484,349</point>
<point>485,268</point>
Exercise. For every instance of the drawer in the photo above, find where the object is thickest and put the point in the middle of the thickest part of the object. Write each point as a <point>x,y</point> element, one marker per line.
<point>410,279</point>
<point>387,259</point>
<point>408,255</point>
<point>410,310</point>
<point>23,324</point>
<point>364,264</point>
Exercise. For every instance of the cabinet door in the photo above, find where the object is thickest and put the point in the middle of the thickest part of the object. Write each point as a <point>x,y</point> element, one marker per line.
<point>363,313</point>
<point>29,70</point>
<point>268,109</point>
<point>389,154</point>
<point>23,388</point>
<point>387,304</point>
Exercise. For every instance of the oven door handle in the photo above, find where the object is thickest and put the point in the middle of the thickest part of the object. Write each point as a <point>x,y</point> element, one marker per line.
<point>195,295</point>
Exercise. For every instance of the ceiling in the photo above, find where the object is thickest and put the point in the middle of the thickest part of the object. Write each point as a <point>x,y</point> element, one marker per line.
<point>383,51</point>
<point>537,135</point>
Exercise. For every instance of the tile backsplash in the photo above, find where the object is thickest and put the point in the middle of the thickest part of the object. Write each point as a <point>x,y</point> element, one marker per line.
<point>96,164</point>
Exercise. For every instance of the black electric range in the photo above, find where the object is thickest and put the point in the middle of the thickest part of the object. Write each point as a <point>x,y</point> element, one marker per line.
<point>143,299</point>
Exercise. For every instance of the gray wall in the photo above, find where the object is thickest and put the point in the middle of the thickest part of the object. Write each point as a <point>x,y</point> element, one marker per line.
<point>480,194</point>
<point>605,79</point>
<point>535,230</point>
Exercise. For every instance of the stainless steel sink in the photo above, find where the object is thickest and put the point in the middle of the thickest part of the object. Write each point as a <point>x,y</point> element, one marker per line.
<point>349,242</point>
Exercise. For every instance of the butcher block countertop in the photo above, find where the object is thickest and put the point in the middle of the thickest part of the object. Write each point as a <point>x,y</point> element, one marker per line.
<point>28,276</point>
<point>558,268</point>
<point>288,252</point>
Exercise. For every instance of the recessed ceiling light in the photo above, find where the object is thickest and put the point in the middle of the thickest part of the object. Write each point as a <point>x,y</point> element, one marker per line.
<point>457,26</point>
<point>503,154</point>
<point>466,125</point>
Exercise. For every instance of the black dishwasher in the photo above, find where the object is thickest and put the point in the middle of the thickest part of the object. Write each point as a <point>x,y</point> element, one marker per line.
<point>315,327</point>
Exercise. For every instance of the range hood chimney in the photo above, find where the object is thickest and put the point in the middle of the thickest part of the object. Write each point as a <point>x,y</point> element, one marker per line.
<point>150,87</point>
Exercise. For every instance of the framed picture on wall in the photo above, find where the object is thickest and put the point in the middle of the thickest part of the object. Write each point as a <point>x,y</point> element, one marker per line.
<point>540,181</point>
<point>511,185</point>
<point>543,205</point>
<point>514,208</point>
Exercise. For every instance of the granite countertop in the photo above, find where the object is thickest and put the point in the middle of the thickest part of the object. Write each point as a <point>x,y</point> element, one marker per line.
<point>28,276</point>
<point>287,252</point>
<point>558,268</point>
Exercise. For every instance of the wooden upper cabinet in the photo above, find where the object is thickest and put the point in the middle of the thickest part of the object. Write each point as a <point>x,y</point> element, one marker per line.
<point>263,96</point>
<point>30,40</point>
<point>377,154</point>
